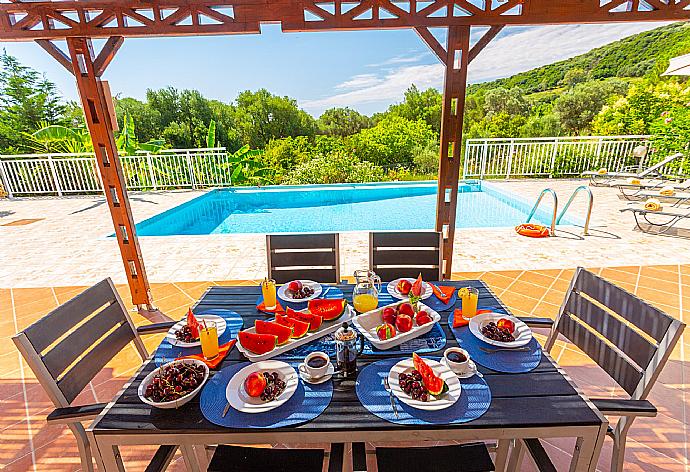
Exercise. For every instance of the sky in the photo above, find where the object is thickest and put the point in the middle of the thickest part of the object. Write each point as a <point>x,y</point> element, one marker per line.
<point>365,70</point>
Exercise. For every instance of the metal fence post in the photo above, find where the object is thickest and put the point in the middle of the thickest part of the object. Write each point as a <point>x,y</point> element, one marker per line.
<point>553,157</point>
<point>482,167</point>
<point>511,149</point>
<point>190,169</point>
<point>51,164</point>
<point>152,175</point>
<point>5,180</point>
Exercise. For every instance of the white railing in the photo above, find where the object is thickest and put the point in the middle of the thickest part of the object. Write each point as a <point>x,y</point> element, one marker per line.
<point>548,157</point>
<point>45,174</point>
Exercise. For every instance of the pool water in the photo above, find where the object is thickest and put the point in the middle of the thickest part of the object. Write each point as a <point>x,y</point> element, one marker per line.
<point>333,208</point>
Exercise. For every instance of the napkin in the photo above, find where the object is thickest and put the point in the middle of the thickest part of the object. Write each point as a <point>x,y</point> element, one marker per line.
<point>652,204</point>
<point>443,293</point>
<point>213,363</point>
<point>278,310</point>
<point>459,321</point>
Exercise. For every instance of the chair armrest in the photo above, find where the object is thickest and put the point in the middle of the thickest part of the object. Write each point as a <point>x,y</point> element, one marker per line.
<point>536,322</point>
<point>539,456</point>
<point>73,414</point>
<point>623,407</point>
<point>155,327</point>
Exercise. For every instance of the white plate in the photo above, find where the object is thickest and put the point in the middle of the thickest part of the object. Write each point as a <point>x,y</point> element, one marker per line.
<point>241,401</point>
<point>221,324</point>
<point>326,328</point>
<point>522,333</point>
<point>284,295</point>
<point>366,323</point>
<point>444,401</point>
<point>318,380</point>
<point>180,401</point>
<point>393,290</point>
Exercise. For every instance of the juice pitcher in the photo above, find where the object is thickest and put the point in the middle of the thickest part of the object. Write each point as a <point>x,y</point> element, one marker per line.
<point>365,296</point>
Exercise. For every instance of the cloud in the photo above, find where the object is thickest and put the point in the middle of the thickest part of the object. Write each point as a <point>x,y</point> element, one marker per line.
<point>511,52</point>
<point>359,81</point>
<point>401,60</point>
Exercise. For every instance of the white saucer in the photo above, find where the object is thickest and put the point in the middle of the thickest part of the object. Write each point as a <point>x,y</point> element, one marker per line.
<point>471,372</point>
<point>319,380</point>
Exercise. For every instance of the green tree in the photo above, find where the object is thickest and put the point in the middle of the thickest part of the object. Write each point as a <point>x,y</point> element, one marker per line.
<point>261,116</point>
<point>574,76</point>
<point>392,141</point>
<point>336,168</point>
<point>147,118</point>
<point>577,108</point>
<point>343,122</point>
<point>501,100</point>
<point>419,105</point>
<point>28,101</point>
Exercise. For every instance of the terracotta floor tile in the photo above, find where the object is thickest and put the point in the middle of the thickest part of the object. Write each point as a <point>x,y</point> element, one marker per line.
<point>527,289</point>
<point>617,276</point>
<point>536,278</point>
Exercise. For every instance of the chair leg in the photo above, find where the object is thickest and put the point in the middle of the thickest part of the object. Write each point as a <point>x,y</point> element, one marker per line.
<point>618,455</point>
<point>516,456</point>
<point>83,446</point>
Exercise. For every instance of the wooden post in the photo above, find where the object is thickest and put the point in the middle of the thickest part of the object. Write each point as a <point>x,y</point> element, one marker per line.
<point>99,122</point>
<point>457,59</point>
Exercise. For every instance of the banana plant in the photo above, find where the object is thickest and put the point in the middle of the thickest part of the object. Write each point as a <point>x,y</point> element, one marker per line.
<point>246,169</point>
<point>211,135</point>
<point>58,138</point>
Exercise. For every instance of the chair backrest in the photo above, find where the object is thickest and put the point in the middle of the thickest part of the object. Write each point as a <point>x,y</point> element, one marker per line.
<point>629,338</point>
<point>406,254</point>
<point>660,164</point>
<point>303,256</point>
<point>70,345</point>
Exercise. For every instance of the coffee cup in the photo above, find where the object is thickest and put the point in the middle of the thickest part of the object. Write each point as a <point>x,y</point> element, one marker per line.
<point>458,360</point>
<point>315,364</point>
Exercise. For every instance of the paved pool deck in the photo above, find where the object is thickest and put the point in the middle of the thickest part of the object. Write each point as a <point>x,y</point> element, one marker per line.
<point>64,241</point>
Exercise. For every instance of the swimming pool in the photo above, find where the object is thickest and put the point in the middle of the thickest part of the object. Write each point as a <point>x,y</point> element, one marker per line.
<point>340,207</point>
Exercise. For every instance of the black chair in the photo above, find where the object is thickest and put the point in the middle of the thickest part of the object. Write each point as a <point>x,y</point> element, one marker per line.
<point>68,347</point>
<point>303,256</point>
<point>257,459</point>
<point>628,338</point>
<point>394,254</point>
<point>472,457</point>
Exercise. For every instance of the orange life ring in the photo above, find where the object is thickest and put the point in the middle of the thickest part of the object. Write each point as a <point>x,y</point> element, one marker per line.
<point>532,230</point>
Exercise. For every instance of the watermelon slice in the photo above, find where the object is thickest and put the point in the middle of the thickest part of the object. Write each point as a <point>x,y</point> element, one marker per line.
<point>299,328</point>
<point>433,383</point>
<point>306,317</point>
<point>416,289</point>
<point>193,324</point>
<point>257,343</point>
<point>283,333</point>
<point>328,309</point>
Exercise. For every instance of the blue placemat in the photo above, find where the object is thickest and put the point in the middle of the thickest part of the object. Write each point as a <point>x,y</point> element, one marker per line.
<point>512,362</point>
<point>474,400</point>
<point>432,341</point>
<point>308,402</point>
<point>166,352</point>
<point>327,291</point>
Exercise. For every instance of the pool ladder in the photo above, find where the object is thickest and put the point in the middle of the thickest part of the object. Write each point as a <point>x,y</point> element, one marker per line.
<point>556,218</point>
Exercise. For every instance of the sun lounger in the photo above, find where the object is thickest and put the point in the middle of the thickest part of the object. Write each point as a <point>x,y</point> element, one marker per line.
<point>654,186</point>
<point>678,198</point>
<point>661,221</point>
<point>607,179</point>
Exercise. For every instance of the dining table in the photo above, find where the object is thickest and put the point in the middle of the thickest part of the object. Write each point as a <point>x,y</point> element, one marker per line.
<point>542,403</point>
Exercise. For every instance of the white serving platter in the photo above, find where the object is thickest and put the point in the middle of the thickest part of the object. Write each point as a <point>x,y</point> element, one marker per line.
<point>366,323</point>
<point>240,400</point>
<point>284,295</point>
<point>221,325</point>
<point>522,333</point>
<point>326,328</point>
<point>434,403</point>
<point>393,288</point>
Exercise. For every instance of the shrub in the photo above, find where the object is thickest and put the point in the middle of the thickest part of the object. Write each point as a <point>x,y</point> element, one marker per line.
<point>332,169</point>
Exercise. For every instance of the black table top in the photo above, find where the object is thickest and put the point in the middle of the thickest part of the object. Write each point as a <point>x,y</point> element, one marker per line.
<point>540,398</point>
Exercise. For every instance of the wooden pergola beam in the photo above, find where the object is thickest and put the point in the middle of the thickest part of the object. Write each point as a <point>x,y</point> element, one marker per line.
<point>87,70</point>
<point>107,54</point>
<point>454,88</point>
<point>57,54</point>
<point>22,21</point>
<point>484,41</point>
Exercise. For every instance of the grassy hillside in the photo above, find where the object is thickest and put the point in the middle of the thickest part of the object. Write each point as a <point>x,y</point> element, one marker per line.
<point>634,56</point>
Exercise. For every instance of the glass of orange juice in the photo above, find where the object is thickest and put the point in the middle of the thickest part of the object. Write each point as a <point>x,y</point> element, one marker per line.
<point>208,335</point>
<point>268,290</point>
<point>469,297</point>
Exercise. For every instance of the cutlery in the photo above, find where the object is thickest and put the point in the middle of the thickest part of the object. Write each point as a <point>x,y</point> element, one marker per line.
<point>390,395</point>
<point>225,410</point>
<point>499,349</point>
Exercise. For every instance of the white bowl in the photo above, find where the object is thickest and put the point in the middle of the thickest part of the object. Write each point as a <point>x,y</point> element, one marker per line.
<point>366,323</point>
<point>180,401</point>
